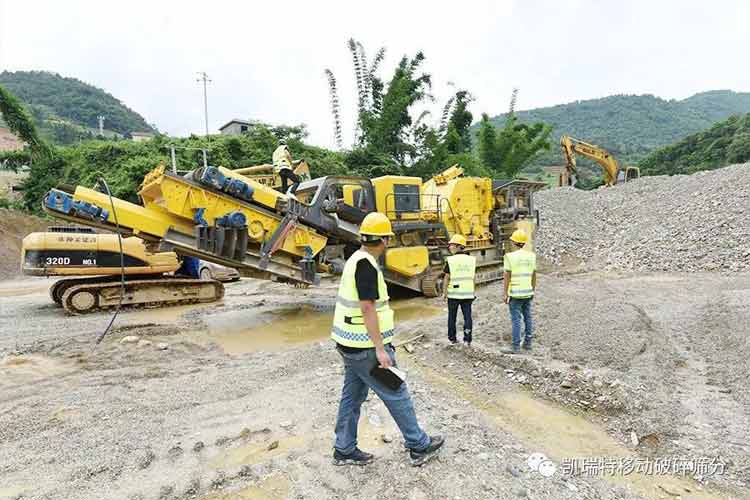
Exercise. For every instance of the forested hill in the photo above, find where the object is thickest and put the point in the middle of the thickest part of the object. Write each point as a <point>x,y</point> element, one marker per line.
<point>56,102</point>
<point>724,143</point>
<point>632,126</point>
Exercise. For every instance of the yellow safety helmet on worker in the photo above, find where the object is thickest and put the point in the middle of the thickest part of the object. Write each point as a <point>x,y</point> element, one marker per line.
<point>375,226</point>
<point>458,239</point>
<point>519,236</point>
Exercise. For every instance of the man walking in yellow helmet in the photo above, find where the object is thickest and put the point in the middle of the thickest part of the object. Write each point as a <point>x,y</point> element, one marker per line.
<point>363,328</point>
<point>519,283</point>
<point>458,286</point>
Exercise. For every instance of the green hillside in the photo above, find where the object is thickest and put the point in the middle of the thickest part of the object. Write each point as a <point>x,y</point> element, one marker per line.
<point>66,109</point>
<point>632,126</point>
<point>724,143</point>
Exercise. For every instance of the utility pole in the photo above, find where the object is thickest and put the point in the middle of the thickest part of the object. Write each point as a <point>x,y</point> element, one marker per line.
<point>101,124</point>
<point>204,78</point>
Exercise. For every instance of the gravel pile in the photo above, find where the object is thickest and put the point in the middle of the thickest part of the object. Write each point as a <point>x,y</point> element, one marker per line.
<point>681,223</point>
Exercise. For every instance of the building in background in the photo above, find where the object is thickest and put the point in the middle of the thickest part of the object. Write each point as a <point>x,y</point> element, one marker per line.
<point>141,136</point>
<point>236,127</point>
<point>8,141</point>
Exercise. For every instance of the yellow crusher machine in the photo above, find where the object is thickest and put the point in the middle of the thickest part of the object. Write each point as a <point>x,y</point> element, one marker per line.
<point>91,266</point>
<point>222,216</point>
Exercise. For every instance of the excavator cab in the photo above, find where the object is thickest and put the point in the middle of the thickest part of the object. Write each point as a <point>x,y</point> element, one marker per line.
<point>632,173</point>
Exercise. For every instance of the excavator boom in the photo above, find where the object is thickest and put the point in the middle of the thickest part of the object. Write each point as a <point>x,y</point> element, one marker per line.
<point>571,147</point>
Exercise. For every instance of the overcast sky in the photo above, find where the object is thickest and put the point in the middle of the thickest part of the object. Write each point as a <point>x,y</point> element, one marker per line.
<point>266,59</point>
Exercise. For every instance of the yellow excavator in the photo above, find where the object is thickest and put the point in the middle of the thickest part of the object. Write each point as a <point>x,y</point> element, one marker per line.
<point>91,266</point>
<point>610,166</point>
<point>225,217</point>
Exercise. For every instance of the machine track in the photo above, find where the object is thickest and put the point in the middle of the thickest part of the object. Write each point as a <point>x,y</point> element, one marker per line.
<point>89,297</point>
<point>58,289</point>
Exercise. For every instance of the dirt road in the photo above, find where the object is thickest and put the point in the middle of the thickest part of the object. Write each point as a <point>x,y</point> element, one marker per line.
<point>237,399</point>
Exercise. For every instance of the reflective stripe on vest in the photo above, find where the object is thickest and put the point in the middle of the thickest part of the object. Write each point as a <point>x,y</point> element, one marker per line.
<point>462,269</point>
<point>348,323</point>
<point>522,266</point>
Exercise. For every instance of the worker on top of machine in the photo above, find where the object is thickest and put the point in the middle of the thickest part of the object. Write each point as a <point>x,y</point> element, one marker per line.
<point>519,283</point>
<point>458,286</point>
<point>363,329</point>
<point>282,165</point>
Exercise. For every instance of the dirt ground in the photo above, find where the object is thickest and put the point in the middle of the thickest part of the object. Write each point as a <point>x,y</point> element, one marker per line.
<point>238,399</point>
<point>14,226</point>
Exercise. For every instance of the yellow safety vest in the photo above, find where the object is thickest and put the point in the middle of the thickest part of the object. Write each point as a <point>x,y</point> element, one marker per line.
<point>348,323</point>
<point>282,159</point>
<point>521,264</point>
<point>462,269</point>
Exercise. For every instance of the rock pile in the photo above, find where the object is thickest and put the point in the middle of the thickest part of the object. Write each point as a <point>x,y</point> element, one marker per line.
<point>698,222</point>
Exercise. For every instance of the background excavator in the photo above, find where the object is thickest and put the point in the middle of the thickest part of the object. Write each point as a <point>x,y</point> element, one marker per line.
<point>610,166</point>
<point>225,217</point>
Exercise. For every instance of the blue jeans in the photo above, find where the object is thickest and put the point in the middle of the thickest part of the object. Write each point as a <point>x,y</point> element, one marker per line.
<point>453,305</point>
<point>357,382</point>
<point>519,308</point>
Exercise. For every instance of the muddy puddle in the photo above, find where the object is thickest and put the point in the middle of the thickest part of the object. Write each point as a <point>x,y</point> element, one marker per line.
<point>22,370</point>
<point>273,487</point>
<point>8,492</point>
<point>562,436</point>
<point>369,436</point>
<point>160,315</point>
<point>244,331</point>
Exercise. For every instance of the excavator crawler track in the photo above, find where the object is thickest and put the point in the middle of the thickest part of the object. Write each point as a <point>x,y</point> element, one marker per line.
<point>59,287</point>
<point>90,297</point>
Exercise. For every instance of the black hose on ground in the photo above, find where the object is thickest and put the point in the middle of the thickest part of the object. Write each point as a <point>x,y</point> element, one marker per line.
<point>122,263</point>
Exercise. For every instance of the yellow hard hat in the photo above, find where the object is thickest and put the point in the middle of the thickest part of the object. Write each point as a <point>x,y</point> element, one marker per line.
<point>376,224</point>
<point>458,239</point>
<point>519,237</point>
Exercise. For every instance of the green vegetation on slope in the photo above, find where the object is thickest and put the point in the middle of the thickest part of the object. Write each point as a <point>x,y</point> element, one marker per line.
<point>65,108</point>
<point>124,163</point>
<point>725,143</point>
<point>631,126</point>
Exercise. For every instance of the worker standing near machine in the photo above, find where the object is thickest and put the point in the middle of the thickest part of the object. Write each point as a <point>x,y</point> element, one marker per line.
<point>363,328</point>
<point>519,283</point>
<point>282,165</point>
<point>458,287</point>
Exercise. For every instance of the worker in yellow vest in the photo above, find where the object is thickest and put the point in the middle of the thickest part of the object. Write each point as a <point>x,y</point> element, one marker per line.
<point>282,165</point>
<point>519,283</point>
<point>363,328</point>
<point>458,286</point>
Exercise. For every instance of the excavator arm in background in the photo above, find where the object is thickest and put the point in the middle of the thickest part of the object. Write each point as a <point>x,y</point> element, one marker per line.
<point>609,164</point>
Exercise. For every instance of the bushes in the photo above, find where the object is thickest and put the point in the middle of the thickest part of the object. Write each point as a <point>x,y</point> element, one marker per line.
<point>124,163</point>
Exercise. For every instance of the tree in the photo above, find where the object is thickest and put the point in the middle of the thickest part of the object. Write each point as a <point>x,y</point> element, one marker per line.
<point>19,122</point>
<point>505,152</point>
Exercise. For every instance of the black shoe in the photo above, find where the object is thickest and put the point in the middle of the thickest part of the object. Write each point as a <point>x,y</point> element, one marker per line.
<point>419,458</point>
<point>357,457</point>
<point>511,350</point>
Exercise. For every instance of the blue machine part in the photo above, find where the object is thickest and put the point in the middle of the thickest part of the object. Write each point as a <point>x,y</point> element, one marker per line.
<point>89,210</point>
<point>64,203</point>
<point>190,266</point>
<point>239,189</point>
<point>232,219</point>
<point>198,217</point>
<point>59,201</point>
<point>211,176</point>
